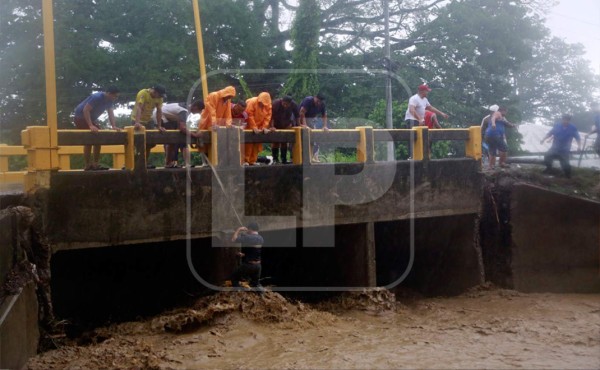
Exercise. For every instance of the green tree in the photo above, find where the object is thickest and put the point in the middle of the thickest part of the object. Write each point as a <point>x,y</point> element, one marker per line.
<point>305,39</point>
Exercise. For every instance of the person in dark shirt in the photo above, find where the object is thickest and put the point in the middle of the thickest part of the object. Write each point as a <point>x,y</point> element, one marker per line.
<point>313,114</point>
<point>86,118</point>
<point>286,114</point>
<point>563,134</point>
<point>250,268</point>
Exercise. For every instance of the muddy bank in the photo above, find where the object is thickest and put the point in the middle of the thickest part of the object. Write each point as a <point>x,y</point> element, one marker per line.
<point>482,328</point>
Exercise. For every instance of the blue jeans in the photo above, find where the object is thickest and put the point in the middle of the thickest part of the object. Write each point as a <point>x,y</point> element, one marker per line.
<point>316,123</point>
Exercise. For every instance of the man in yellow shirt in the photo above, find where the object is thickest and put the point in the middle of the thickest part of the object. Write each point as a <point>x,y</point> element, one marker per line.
<point>145,102</point>
<point>259,118</point>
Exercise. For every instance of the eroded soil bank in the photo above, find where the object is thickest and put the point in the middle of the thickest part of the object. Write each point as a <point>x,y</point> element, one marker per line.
<point>485,327</point>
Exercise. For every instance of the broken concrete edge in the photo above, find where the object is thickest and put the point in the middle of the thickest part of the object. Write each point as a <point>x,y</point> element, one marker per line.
<point>535,239</point>
<point>19,315</point>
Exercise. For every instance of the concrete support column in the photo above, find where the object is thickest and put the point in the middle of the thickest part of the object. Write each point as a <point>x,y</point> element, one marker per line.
<point>228,146</point>
<point>355,251</point>
<point>223,257</point>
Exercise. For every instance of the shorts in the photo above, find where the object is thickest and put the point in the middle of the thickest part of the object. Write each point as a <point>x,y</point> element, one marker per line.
<point>314,122</point>
<point>410,123</point>
<point>82,125</point>
<point>150,125</point>
<point>171,125</point>
<point>496,143</point>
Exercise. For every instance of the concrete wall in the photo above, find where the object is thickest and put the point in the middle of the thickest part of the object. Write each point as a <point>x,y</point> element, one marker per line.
<point>115,207</point>
<point>555,241</point>
<point>19,333</point>
<point>446,258</point>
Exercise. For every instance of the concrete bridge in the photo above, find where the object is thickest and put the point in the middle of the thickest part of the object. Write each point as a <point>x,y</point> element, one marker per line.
<point>328,226</point>
<point>327,205</point>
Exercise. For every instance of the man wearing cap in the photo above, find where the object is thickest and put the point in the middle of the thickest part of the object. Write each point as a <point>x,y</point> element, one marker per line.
<point>286,114</point>
<point>484,125</point>
<point>313,114</point>
<point>145,102</point>
<point>563,134</point>
<point>251,243</point>
<point>415,114</point>
<point>86,118</point>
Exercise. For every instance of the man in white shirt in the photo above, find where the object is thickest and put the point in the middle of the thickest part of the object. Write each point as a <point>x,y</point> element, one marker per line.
<point>415,114</point>
<point>174,117</point>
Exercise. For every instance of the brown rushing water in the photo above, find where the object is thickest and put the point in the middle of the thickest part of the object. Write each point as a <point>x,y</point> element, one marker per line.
<point>480,329</point>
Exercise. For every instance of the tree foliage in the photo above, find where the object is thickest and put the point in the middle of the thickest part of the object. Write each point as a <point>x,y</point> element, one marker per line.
<point>305,38</point>
<point>474,53</point>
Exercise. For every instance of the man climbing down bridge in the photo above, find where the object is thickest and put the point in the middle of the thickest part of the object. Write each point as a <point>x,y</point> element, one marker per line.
<point>563,134</point>
<point>250,268</point>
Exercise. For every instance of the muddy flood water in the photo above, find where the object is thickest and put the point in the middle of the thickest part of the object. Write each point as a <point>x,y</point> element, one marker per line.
<point>483,328</point>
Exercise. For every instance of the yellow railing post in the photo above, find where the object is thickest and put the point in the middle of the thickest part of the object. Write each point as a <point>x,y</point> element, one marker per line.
<point>419,145</point>
<point>64,161</point>
<point>3,161</point>
<point>41,156</point>
<point>130,148</point>
<point>118,160</point>
<point>297,148</point>
<point>213,147</point>
<point>365,148</point>
<point>473,145</point>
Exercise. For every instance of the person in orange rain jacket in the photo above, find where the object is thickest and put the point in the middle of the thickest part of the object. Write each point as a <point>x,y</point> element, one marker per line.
<point>217,109</point>
<point>259,118</point>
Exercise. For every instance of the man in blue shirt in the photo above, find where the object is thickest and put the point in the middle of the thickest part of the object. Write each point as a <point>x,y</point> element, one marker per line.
<point>86,118</point>
<point>563,134</point>
<point>314,115</point>
<point>596,128</point>
<point>250,268</point>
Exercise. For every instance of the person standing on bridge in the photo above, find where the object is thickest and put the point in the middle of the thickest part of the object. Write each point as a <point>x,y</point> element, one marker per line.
<point>313,114</point>
<point>174,117</point>
<point>86,118</point>
<point>286,115</point>
<point>596,127</point>
<point>239,115</point>
<point>495,137</point>
<point>563,134</point>
<point>415,113</point>
<point>259,119</point>
<point>217,109</point>
<point>250,268</point>
<point>145,103</point>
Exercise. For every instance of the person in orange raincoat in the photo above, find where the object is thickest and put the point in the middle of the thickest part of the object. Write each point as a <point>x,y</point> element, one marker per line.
<point>259,118</point>
<point>217,109</point>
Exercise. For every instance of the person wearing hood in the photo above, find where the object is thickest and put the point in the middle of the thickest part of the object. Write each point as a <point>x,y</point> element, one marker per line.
<point>217,109</point>
<point>259,118</point>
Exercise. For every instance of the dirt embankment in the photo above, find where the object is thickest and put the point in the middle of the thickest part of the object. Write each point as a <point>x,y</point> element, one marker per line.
<point>584,182</point>
<point>485,327</point>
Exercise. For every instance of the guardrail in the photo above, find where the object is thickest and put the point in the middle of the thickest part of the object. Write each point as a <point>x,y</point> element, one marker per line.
<point>223,146</point>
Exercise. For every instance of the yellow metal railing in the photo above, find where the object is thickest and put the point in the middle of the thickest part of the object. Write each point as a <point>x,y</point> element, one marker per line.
<point>41,159</point>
